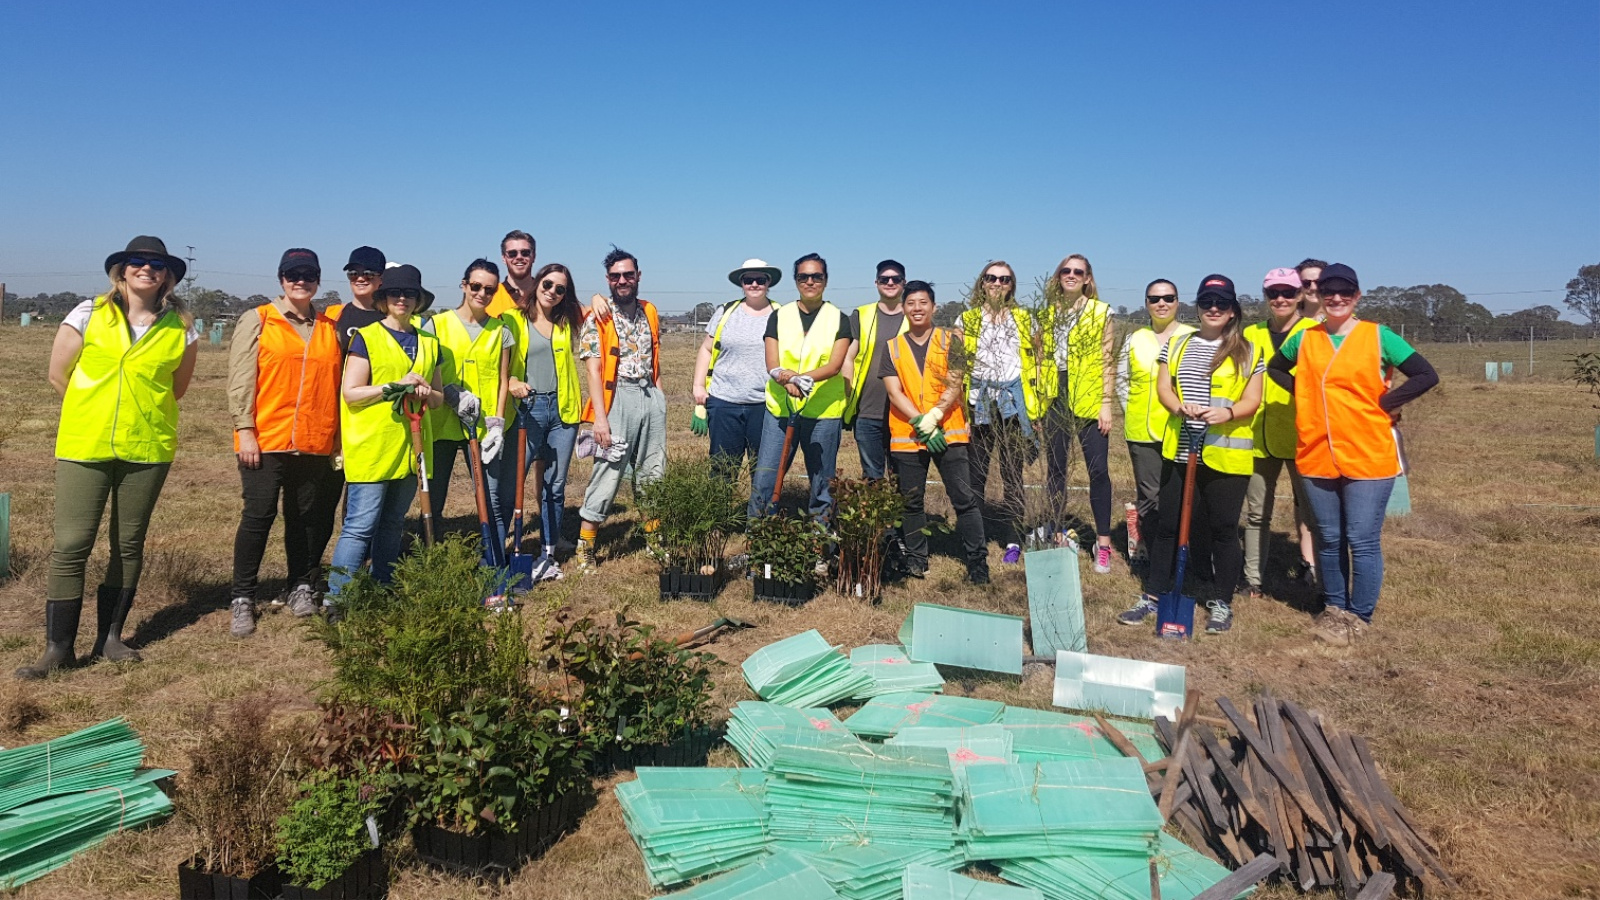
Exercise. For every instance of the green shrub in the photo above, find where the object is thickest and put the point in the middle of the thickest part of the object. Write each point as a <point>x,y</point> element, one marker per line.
<point>863,512</point>
<point>790,545</point>
<point>690,511</point>
<point>325,831</point>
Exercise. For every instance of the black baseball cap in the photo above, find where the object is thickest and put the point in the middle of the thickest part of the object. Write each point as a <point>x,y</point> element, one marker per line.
<point>890,264</point>
<point>367,259</point>
<point>1218,286</point>
<point>1338,274</point>
<point>298,258</point>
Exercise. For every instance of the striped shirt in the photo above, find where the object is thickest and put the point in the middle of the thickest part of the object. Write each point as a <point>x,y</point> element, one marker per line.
<point>1194,382</point>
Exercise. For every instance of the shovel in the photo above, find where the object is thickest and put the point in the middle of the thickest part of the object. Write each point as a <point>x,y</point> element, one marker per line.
<point>788,449</point>
<point>414,411</point>
<point>493,555</point>
<point>520,564</point>
<point>702,635</point>
<point>1174,611</point>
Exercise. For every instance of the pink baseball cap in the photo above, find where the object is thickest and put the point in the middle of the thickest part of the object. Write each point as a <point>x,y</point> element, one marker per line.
<point>1282,276</point>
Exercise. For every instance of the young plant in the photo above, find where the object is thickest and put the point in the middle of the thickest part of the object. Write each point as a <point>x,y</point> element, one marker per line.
<point>690,511</point>
<point>863,512</point>
<point>237,785</point>
<point>325,831</point>
<point>1586,372</point>
<point>786,548</point>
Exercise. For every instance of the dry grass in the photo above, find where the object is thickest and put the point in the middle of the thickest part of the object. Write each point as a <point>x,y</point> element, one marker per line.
<point>1477,689</point>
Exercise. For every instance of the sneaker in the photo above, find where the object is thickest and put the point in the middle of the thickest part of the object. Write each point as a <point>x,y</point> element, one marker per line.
<point>1102,559</point>
<point>1221,620</point>
<point>497,603</point>
<point>1330,627</point>
<point>1139,612</point>
<point>303,601</point>
<point>332,611</point>
<point>1013,554</point>
<point>588,560</point>
<point>546,569</point>
<point>243,611</point>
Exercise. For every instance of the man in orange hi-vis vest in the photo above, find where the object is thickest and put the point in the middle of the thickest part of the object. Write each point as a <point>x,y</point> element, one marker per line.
<point>928,425</point>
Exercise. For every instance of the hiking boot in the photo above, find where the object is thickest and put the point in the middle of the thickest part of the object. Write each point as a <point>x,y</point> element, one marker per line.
<point>978,571</point>
<point>588,560</point>
<point>1221,621</point>
<point>1330,627</point>
<point>112,605</point>
<point>1355,626</point>
<point>1013,554</point>
<point>303,601</point>
<point>1102,559</point>
<point>243,617</point>
<point>60,633</point>
<point>1140,612</point>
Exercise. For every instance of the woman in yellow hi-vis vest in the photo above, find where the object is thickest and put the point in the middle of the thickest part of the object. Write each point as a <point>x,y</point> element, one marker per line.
<point>475,367</point>
<point>1210,383</point>
<point>121,362</point>
<point>1144,419</point>
<point>380,469</point>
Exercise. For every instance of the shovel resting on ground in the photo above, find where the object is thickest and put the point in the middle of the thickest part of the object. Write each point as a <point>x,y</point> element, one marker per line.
<point>1174,611</point>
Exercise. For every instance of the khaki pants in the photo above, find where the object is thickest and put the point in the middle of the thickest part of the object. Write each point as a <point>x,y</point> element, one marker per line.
<point>1258,503</point>
<point>638,416</point>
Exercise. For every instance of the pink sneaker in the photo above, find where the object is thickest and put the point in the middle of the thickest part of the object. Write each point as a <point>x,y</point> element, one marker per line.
<point>1102,559</point>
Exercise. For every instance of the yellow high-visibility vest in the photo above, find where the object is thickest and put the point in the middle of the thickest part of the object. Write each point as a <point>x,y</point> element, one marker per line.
<point>1146,419</point>
<point>1275,433</point>
<point>470,364</point>
<point>375,438</point>
<point>868,340</point>
<point>1086,363</point>
<point>120,402</point>
<point>1228,448</point>
<point>569,390</point>
<point>1034,397</point>
<point>800,350</point>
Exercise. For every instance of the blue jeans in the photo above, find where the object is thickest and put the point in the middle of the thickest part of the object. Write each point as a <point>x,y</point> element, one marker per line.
<point>872,445</point>
<point>819,439</point>
<point>374,525</point>
<point>550,440</point>
<point>503,472</point>
<point>735,429</point>
<point>1348,523</point>
<point>444,464</point>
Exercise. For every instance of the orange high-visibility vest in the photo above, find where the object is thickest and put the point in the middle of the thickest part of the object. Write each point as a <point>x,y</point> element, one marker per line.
<point>1343,432</point>
<point>611,357</point>
<point>297,385</point>
<point>924,387</point>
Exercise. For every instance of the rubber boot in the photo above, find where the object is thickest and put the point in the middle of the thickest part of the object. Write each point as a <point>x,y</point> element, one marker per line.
<point>113,604</point>
<point>60,632</point>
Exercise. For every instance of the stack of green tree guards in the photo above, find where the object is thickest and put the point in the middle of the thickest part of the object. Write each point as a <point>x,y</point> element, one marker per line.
<point>67,795</point>
<point>1057,808</point>
<point>976,746</point>
<point>690,822</point>
<point>780,876</point>
<point>875,871</point>
<point>758,729</point>
<point>883,716</point>
<point>893,671</point>
<point>803,670</point>
<point>928,883</point>
<point>1040,735</point>
<point>896,795</point>
<point>1098,875</point>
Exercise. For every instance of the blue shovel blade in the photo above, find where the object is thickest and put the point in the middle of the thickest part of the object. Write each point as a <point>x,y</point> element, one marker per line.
<point>1174,611</point>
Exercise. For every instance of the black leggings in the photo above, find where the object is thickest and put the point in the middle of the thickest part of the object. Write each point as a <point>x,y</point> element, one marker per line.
<point>309,488</point>
<point>1214,547</point>
<point>1004,439</point>
<point>1059,425</point>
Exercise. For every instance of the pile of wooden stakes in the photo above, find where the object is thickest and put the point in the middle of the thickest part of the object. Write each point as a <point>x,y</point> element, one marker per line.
<point>1280,792</point>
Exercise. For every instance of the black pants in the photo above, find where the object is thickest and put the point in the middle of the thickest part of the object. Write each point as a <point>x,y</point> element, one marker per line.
<point>911,470</point>
<point>1060,425</point>
<point>1004,439</point>
<point>1214,547</point>
<point>310,489</point>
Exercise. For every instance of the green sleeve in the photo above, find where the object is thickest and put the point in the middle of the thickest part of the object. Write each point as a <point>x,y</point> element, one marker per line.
<point>1291,347</point>
<point>1393,347</point>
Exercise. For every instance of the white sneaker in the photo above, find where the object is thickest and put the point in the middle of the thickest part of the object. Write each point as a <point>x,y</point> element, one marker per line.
<point>243,617</point>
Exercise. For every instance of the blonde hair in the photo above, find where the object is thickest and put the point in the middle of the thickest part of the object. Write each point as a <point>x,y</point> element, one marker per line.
<point>1090,289</point>
<point>167,299</point>
<point>980,296</point>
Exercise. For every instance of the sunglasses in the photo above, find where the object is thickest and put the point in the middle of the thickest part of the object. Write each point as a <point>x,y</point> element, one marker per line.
<point>517,254</point>
<point>1069,270</point>
<point>809,277</point>
<point>755,281</point>
<point>996,279</point>
<point>1345,293</point>
<point>1212,303</point>
<point>622,276</point>
<point>302,276</point>
<point>139,262</point>
<point>1309,282</point>
<point>480,288</point>
<point>560,290</point>
<point>1153,299</point>
<point>402,294</point>
<point>361,274</point>
<point>891,279</point>
<point>1281,293</point>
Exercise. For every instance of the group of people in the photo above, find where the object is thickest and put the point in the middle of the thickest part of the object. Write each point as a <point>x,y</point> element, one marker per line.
<point>358,399</point>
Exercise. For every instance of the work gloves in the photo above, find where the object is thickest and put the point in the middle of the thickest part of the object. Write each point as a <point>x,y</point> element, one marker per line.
<point>928,430</point>
<point>465,403</point>
<point>395,394</point>
<point>698,423</point>
<point>494,436</point>
<point>805,383</point>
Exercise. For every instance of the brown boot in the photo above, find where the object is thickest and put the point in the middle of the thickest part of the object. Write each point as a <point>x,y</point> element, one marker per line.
<point>1331,628</point>
<point>60,632</point>
<point>113,605</point>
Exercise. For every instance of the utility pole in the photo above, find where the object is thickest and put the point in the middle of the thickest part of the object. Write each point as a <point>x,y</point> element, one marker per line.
<point>2,301</point>
<point>1530,351</point>
<point>188,281</point>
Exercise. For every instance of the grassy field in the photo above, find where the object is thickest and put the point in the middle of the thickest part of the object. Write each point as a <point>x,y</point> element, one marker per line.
<point>1477,688</point>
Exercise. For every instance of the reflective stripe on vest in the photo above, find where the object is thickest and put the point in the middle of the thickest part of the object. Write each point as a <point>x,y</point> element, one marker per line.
<point>611,358</point>
<point>868,340</point>
<point>1228,447</point>
<point>1145,420</point>
<point>924,387</point>
<point>375,439</point>
<point>1086,366</point>
<point>1034,398</point>
<point>1343,431</point>
<point>297,385</point>
<point>469,363</point>
<point>800,350</point>
<point>119,402</point>
<point>1275,433</point>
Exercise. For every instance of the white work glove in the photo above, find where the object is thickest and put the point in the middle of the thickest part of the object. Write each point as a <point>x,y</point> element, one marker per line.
<point>494,438</point>
<point>928,423</point>
<point>805,383</point>
<point>617,452</point>
<point>465,403</point>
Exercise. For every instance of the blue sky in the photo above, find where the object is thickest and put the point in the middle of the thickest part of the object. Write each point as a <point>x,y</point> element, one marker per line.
<point>1420,143</point>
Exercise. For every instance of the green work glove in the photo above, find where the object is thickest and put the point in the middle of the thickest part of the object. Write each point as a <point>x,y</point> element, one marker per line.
<point>927,424</point>
<point>396,393</point>
<point>936,442</point>
<point>698,423</point>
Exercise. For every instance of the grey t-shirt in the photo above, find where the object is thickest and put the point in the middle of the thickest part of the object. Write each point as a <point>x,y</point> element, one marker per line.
<point>541,362</point>
<point>874,400</point>
<point>740,373</point>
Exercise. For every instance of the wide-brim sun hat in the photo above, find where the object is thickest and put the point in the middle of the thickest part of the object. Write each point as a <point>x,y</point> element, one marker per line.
<point>406,277</point>
<point>773,273</point>
<point>148,247</point>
